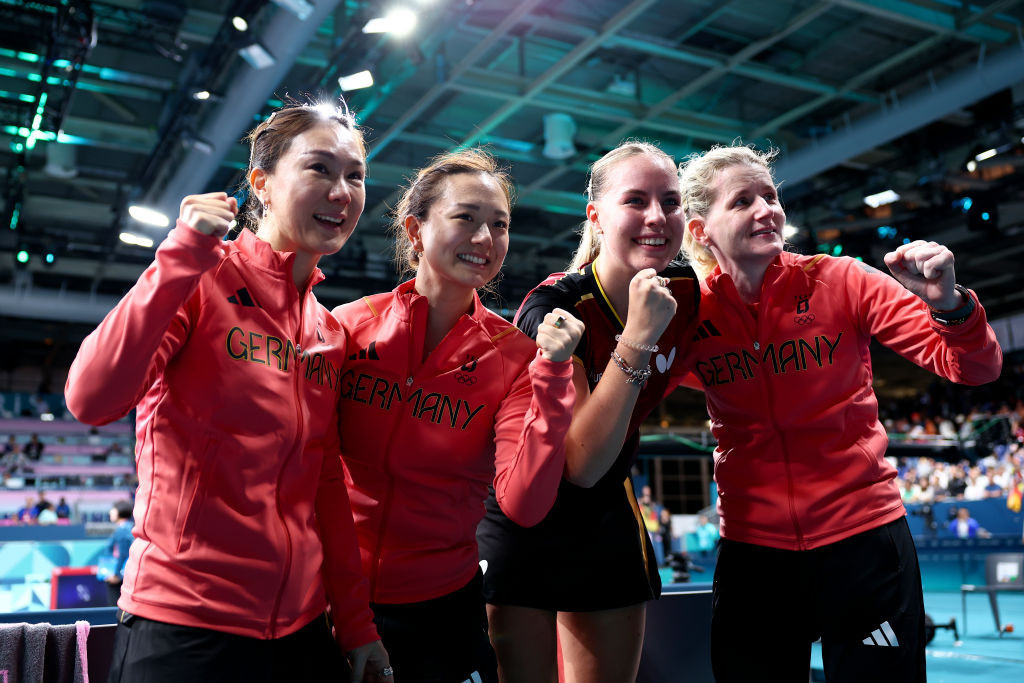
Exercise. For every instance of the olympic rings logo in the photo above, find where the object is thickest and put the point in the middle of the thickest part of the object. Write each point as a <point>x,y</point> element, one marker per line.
<point>804,319</point>
<point>463,378</point>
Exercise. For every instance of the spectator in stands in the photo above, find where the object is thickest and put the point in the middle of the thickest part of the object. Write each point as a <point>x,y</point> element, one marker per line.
<point>34,448</point>
<point>976,485</point>
<point>588,598</point>
<point>812,522</point>
<point>965,526</point>
<point>117,548</point>
<point>418,495</point>
<point>63,509</point>
<point>42,503</point>
<point>957,482</point>
<point>26,514</point>
<point>666,534</point>
<point>707,534</point>
<point>230,360</point>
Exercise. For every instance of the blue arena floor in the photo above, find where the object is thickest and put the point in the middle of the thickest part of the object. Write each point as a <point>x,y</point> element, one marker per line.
<point>981,654</point>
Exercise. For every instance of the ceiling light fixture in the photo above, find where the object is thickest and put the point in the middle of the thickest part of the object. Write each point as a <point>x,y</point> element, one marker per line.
<point>356,81</point>
<point>149,216</point>
<point>240,24</point>
<point>135,240</point>
<point>257,56</point>
<point>881,198</point>
<point>400,22</point>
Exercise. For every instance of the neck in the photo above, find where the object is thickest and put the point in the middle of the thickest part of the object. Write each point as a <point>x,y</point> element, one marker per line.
<point>302,269</point>
<point>615,283</point>
<point>747,277</point>
<point>302,265</point>
<point>445,305</point>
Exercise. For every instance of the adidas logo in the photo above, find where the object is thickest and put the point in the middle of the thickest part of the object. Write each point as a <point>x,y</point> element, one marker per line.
<point>883,636</point>
<point>369,353</point>
<point>705,330</point>
<point>242,298</point>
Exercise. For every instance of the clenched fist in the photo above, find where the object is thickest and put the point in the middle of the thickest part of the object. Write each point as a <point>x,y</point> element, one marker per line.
<point>558,334</point>
<point>210,213</point>
<point>926,269</point>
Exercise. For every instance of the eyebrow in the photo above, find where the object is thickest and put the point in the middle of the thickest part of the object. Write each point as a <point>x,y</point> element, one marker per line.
<point>476,207</point>
<point>330,155</point>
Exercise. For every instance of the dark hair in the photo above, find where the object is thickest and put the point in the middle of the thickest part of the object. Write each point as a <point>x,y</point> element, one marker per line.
<point>427,186</point>
<point>124,509</point>
<point>270,140</point>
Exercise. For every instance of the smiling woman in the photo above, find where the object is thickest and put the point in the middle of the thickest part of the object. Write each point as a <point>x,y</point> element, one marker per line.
<point>243,532</point>
<point>462,401</point>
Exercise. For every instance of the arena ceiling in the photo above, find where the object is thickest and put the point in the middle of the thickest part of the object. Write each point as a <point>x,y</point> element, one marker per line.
<point>98,111</point>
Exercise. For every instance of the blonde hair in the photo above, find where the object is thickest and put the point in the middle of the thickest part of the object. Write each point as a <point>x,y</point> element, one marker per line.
<point>696,175</point>
<point>428,185</point>
<point>597,186</point>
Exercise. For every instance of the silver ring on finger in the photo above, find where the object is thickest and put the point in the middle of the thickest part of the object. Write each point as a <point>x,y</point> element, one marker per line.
<point>387,672</point>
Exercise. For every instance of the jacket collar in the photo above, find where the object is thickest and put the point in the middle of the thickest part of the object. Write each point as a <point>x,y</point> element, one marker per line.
<point>783,266</point>
<point>260,253</point>
<point>406,297</point>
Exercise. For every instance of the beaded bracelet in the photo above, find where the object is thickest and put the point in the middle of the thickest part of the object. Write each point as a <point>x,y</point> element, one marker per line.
<point>957,316</point>
<point>633,375</point>
<point>653,348</point>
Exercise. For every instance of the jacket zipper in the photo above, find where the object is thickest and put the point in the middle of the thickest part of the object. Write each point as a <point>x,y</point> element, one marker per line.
<point>300,428</point>
<point>386,507</point>
<point>790,496</point>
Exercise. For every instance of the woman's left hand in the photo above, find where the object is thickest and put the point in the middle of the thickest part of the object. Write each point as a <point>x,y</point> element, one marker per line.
<point>558,335</point>
<point>370,664</point>
<point>926,269</point>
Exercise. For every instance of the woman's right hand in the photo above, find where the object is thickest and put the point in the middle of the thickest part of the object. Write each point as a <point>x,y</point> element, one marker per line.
<point>210,213</point>
<point>651,307</point>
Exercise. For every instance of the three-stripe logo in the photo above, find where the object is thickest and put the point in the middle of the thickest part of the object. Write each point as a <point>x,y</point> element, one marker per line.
<point>883,636</point>
<point>705,330</point>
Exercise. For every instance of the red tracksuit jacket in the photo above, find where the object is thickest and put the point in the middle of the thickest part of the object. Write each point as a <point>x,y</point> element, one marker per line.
<point>230,369</point>
<point>423,440</point>
<point>799,462</point>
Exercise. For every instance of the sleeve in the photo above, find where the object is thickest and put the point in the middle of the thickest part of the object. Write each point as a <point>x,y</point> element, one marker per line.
<point>124,545</point>
<point>348,591</point>
<point>530,429</point>
<point>122,357</point>
<point>967,353</point>
<point>539,303</point>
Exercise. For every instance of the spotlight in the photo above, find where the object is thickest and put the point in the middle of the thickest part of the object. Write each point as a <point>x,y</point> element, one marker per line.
<point>881,198</point>
<point>149,216</point>
<point>135,240</point>
<point>201,95</point>
<point>240,24</point>
<point>400,22</point>
<point>363,79</point>
<point>22,256</point>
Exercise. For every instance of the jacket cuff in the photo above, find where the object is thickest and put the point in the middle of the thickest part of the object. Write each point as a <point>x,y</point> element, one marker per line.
<point>550,367</point>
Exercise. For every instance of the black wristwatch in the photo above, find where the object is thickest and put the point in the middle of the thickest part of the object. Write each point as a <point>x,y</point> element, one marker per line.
<point>957,316</point>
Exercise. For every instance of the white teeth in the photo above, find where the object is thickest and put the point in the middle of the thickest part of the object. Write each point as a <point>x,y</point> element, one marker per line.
<point>330,219</point>
<point>653,241</point>
<point>473,259</point>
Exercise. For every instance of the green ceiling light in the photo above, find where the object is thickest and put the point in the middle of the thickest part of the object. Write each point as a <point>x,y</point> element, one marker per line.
<point>22,256</point>
<point>15,216</point>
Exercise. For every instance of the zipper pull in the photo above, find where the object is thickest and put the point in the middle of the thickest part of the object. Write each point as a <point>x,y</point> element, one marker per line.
<point>408,382</point>
<point>757,346</point>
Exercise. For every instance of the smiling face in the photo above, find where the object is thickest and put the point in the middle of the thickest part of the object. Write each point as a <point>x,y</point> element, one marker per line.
<point>315,194</point>
<point>463,239</point>
<point>744,221</point>
<point>638,217</point>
